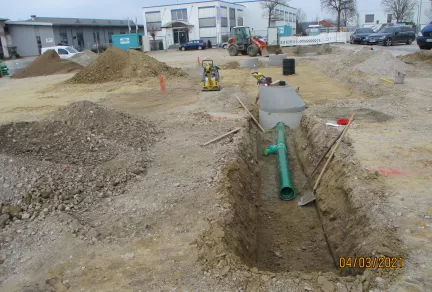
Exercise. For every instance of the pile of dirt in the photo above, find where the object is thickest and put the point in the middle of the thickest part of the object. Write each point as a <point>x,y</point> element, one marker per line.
<point>383,64</point>
<point>116,64</point>
<point>84,58</point>
<point>422,56</point>
<point>230,65</point>
<point>49,63</point>
<point>84,152</point>
<point>300,51</point>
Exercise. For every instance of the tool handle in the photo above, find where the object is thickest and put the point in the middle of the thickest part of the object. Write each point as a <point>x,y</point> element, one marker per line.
<point>332,153</point>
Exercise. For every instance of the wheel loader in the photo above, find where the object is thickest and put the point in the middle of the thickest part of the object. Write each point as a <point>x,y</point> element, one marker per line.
<point>241,41</point>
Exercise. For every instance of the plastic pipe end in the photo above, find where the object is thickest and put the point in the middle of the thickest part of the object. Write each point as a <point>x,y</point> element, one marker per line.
<point>287,194</point>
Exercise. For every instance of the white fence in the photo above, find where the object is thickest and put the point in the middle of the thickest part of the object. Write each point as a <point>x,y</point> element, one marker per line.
<point>324,38</point>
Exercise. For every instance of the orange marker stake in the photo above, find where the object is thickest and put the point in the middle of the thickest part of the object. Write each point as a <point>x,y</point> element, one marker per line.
<point>162,83</point>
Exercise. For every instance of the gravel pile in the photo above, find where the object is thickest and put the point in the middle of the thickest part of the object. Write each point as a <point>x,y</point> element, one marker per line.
<point>116,64</point>
<point>49,63</point>
<point>84,58</point>
<point>383,64</point>
<point>83,153</point>
<point>422,56</point>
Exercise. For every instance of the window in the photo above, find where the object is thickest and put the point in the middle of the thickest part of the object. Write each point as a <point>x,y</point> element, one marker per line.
<point>96,38</point>
<point>224,16</point>
<point>110,34</point>
<point>71,50</point>
<point>369,18</point>
<point>389,18</point>
<point>123,31</point>
<point>62,52</point>
<point>179,14</point>
<point>294,17</point>
<point>240,21</point>
<point>232,17</point>
<point>153,21</point>
<point>224,21</point>
<point>286,16</point>
<point>80,39</point>
<point>63,38</point>
<point>207,22</point>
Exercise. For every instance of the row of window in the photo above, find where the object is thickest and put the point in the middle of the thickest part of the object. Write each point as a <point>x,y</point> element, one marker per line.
<point>370,18</point>
<point>80,37</point>
<point>285,15</point>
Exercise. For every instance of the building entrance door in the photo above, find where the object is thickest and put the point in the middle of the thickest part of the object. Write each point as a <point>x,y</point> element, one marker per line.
<point>180,36</point>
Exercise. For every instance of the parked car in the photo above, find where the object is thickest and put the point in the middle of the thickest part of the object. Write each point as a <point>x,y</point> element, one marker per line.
<point>424,38</point>
<point>359,35</point>
<point>391,35</point>
<point>65,52</point>
<point>224,45</point>
<point>193,45</point>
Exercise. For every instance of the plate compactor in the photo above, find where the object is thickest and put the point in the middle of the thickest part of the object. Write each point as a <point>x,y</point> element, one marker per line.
<point>210,77</point>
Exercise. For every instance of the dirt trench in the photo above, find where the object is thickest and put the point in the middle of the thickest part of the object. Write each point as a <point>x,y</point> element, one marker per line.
<point>261,233</point>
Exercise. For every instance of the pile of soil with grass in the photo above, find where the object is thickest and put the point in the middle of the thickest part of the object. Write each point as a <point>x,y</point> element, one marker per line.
<point>422,56</point>
<point>116,64</point>
<point>49,63</point>
<point>84,58</point>
<point>84,152</point>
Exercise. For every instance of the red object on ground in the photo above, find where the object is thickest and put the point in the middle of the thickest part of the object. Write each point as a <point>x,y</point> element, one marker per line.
<point>343,121</point>
<point>162,83</point>
<point>198,60</point>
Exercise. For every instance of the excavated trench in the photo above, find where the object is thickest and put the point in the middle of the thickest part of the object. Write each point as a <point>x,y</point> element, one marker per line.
<point>257,229</point>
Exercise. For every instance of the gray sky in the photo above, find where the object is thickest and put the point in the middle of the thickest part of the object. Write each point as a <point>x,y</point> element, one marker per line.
<point>22,9</point>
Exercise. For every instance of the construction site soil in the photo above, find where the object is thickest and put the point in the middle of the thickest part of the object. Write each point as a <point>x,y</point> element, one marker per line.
<point>84,152</point>
<point>49,63</point>
<point>84,58</point>
<point>116,64</point>
<point>422,56</point>
<point>144,210</point>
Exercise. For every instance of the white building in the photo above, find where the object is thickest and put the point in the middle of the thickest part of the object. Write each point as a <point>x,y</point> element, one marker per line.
<point>210,20</point>
<point>376,17</point>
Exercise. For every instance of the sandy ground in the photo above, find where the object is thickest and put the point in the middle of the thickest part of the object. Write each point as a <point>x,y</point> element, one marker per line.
<point>146,239</point>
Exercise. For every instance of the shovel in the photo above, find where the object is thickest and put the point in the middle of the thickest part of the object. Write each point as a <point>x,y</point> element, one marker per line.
<point>310,197</point>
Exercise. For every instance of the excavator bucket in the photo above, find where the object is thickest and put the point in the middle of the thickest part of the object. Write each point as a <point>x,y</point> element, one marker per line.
<point>267,50</point>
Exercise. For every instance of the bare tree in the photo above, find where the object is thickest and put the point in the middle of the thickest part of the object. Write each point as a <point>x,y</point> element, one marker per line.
<point>428,13</point>
<point>349,17</point>
<point>400,9</point>
<point>152,30</point>
<point>338,6</point>
<point>301,17</point>
<point>269,7</point>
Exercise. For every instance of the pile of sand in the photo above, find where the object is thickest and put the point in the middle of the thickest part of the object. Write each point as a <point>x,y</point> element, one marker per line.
<point>49,63</point>
<point>116,64</point>
<point>84,58</point>
<point>382,64</point>
<point>422,56</point>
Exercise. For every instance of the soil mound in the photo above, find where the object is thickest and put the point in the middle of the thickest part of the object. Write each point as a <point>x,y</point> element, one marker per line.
<point>84,152</point>
<point>115,64</point>
<point>84,58</point>
<point>382,64</point>
<point>230,65</point>
<point>422,56</point>
<point>49,63</point>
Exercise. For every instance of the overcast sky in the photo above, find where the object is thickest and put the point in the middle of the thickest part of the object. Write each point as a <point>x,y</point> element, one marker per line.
<point>22,9</point>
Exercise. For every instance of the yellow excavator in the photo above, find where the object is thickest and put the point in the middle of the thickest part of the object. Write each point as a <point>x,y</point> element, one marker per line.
<point>210,76</point>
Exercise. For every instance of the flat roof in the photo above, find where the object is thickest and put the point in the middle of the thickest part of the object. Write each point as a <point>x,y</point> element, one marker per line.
<point>62,21</point>
<point>3,19</point>
<point>260,1</point>
<point>185,3</point>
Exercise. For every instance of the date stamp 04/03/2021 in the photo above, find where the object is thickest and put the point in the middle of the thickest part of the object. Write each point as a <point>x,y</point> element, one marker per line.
<point>371,262</point>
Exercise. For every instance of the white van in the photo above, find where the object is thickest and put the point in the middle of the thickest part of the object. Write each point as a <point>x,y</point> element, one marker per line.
<point>65,52</point>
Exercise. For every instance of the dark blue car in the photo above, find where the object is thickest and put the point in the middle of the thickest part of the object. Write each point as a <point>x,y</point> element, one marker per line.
<point>424,38</point>
<point>193,45</point>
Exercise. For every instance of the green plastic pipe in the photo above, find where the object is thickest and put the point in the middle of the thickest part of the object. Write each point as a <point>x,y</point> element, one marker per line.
<point>287,191</point>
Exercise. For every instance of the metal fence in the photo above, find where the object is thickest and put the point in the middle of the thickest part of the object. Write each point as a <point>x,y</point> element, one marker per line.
<point>324,38</point>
